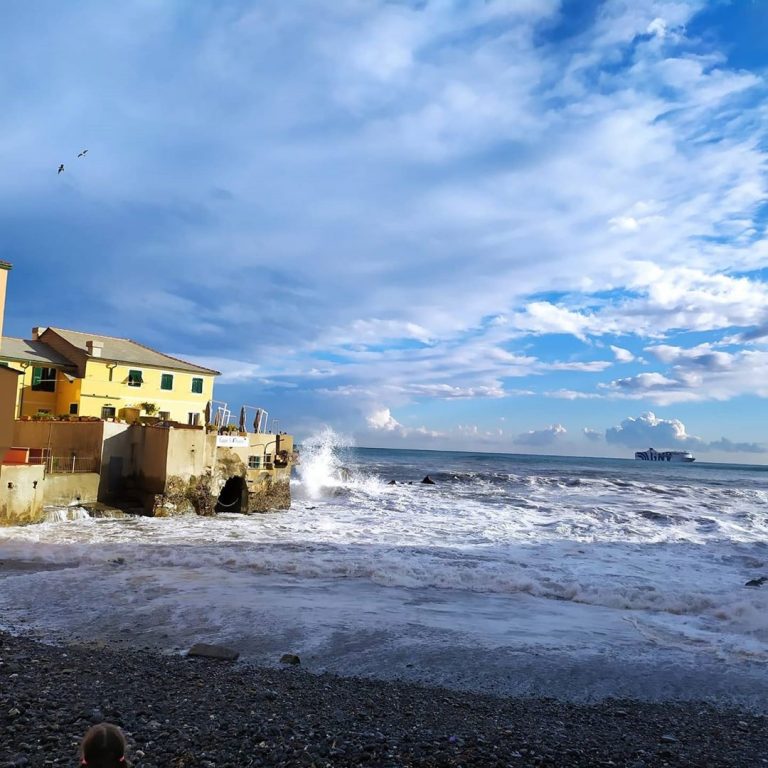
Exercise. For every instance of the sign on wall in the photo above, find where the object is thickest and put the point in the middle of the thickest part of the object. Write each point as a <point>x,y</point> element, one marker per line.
<point>231,441</point>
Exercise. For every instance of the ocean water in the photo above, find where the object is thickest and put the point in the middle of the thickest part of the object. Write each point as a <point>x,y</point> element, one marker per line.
<point>573,577</point>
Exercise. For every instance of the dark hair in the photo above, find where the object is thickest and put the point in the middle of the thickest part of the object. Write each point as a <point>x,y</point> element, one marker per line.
<point>103,746</point>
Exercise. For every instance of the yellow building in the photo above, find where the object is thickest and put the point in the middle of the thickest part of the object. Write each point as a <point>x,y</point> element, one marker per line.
<point>83,374</point>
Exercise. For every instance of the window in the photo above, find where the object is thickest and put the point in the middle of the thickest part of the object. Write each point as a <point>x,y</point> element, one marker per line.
<point>193,419</point>
<point>267,458</point>
<point>73,409</point>
<point>108,412</point>
<point>44,379</point>
<point>135,379</point>
<point>164,415</point>
<point>166,381</point>
<point>197,386</point>
<point>254,462</point>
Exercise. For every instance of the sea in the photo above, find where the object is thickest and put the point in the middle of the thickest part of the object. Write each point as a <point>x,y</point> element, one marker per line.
<point>579,578</point>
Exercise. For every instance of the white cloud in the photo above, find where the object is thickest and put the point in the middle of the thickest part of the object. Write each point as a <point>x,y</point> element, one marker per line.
<point>728,446</point>
<point>622,355</point>
<point>665,434</point>
<point>542,437</point>
<point>657,27</point>
<point>649,430</point>
<point>396,199</point>
<point>593,435</point>
<point>383,419</point>
<point>587,366</point>
<point>697,374</point>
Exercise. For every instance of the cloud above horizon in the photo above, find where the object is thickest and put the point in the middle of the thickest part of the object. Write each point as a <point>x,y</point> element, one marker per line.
<point>663,434</point>
<point>418,213</point>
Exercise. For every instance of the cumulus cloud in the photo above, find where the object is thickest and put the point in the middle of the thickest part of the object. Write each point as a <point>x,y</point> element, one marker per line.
<point>593,435</point>
<point>382,419</point>
<point>649,430</point>
<point>664,434</point>
<point>538,438</point>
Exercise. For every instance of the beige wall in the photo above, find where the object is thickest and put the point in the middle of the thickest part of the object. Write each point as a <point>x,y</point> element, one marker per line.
<point>188,452</point>
<point>76,488</point>
<point>8,383</point>
<point>84,438</point>
<point>21,494</point>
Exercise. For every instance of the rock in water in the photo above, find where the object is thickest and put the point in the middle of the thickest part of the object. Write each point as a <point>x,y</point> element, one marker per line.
<point>392,482</point>
<point>428,480</point>
<point>757,582</point>
<point>290,658</point>
<point>213,652</point>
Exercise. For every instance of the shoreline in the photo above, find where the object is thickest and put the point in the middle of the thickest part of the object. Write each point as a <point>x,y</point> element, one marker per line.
<point>184,712</point>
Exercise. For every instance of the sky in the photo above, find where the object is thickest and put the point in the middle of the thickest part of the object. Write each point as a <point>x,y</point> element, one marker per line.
<point>494,225</point>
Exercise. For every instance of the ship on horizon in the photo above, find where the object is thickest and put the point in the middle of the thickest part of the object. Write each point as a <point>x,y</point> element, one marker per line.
<point>653,455</point>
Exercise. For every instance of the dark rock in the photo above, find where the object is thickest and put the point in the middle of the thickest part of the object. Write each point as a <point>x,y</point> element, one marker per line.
<point>392,482</point>
<point>290,658</point>
<point>204,650</point>
<point>757,582</point>
<point>428,480</point>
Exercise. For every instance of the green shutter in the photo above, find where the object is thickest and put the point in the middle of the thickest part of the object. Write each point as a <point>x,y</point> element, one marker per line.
<point>166,381</point>
<point>37,376</point>
<point>197,385</point>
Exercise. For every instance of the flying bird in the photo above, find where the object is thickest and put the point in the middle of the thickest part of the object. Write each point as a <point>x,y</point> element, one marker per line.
<point>83,153</point>
<point>61,168</point>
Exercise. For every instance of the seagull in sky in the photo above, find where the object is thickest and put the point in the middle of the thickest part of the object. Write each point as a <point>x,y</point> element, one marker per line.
<point>83,153</point>
<point>61,168</point>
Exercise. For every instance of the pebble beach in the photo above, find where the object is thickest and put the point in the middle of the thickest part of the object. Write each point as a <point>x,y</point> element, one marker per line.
<point>179,711</point>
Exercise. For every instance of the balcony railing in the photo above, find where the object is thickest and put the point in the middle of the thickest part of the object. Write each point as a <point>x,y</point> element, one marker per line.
<point>68,464</point>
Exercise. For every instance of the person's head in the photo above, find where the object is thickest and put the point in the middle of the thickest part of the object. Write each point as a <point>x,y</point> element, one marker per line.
<point>103,746</point>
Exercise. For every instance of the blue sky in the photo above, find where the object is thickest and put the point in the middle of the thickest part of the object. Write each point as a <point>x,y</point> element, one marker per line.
<point>520,225</point>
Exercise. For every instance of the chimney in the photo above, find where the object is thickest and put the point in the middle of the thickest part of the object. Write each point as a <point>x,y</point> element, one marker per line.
<point>94,348</point>
<point>36,331</point>
<point>5,268</point>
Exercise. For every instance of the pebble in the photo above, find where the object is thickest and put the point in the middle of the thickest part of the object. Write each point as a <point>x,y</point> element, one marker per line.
<point>265,717</point>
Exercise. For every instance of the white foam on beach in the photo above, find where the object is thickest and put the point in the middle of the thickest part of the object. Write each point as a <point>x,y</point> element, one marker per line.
<point>563,563</point>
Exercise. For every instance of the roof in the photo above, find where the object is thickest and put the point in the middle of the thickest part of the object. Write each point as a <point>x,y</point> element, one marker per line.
<point>128,351</point>
<point>26,351</point>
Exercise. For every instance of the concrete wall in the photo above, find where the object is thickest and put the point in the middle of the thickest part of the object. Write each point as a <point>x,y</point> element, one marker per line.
<point>21,494</point>
<point>118,460</point>
<point>188,452</point>
<point>79,487</point>
<point>150,456</point>
<point>84,438</point>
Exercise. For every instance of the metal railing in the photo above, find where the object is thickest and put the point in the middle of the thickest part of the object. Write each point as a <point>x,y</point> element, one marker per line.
<point>70,464</point>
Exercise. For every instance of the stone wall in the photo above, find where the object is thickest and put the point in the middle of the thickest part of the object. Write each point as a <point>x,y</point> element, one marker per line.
<point>272,494</point>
